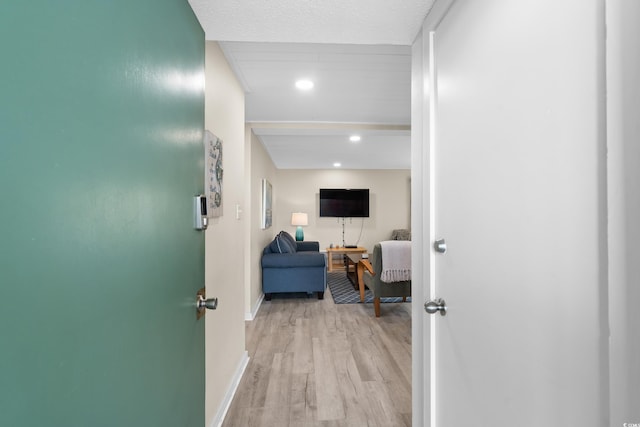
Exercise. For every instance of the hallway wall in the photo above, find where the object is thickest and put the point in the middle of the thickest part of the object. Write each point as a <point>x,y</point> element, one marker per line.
<point>224,242</point>
<point>261,168</point>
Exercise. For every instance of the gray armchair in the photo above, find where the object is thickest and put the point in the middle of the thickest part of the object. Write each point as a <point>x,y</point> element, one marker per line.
<point>401,234</point>
<point>380,288</point>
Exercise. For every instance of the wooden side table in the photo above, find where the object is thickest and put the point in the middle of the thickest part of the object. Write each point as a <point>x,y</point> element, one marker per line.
<point>341,251</point>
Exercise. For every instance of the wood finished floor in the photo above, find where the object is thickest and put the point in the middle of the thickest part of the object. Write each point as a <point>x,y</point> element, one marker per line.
<point>316,363</point>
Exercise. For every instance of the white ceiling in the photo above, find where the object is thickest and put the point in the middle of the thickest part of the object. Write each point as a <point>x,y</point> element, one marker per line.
<point>312,21</point>
<point>357,53</point>
<point>320,148</point>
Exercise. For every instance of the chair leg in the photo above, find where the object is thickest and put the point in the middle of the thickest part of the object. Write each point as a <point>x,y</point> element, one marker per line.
<point>376,306</point>
<point>404,299</point>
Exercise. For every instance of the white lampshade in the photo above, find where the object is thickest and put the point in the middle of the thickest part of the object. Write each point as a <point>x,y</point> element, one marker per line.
<point>299,218</point>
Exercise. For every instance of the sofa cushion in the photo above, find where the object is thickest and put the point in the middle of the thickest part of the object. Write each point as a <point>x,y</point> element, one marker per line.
<point>280,245</point>
<point>298,260</point>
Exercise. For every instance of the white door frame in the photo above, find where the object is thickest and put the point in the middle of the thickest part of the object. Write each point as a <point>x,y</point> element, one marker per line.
<point>623,208</point>
<point>422,218</point>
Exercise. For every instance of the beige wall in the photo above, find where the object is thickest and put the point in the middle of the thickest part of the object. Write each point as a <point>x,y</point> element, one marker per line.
<point>224,242</point>
<point>389,191</point>
<point>261,167</point>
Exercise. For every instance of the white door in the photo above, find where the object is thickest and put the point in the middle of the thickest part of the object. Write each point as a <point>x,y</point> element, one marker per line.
<point>518,195</point>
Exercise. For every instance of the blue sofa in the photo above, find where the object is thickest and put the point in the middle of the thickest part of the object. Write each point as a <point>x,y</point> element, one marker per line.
<point>290,266</point>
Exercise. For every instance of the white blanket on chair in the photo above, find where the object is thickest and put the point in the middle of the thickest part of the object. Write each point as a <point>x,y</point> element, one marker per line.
<point>396,260</point>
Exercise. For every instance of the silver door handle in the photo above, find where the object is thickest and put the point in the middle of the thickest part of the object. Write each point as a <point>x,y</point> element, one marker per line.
<point>203,303</point>
<point>210,303</point>
<point>437,305</point>
<point>440,246</point>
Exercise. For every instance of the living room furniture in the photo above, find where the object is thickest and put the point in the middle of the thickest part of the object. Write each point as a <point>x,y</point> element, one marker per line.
<point>290,266</point>
<point>338,250</point>
<point>350,266</point>
<point>359,265</point>
<point>371,274</point>
<point>401,234</point>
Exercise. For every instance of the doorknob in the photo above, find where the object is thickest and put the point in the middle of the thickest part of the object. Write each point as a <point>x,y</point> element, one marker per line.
<point>436,305</point>
<point>211,303</point>
<point>203,303</point>
<point>440,246</point>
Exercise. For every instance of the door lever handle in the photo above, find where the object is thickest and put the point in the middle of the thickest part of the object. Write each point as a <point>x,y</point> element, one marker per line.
<point>437,305</point>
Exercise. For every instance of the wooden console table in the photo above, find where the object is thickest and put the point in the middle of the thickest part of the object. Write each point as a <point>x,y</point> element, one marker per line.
<point>341,251</point>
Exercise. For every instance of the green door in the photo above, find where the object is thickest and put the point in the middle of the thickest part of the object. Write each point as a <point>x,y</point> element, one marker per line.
<point>101,125</point>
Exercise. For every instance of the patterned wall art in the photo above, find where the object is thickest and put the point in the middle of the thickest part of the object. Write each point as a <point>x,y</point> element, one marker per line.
<point>213,174</point>
<point>267,213</point>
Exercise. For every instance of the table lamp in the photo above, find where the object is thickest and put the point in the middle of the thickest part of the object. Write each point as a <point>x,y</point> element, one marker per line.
<point>299,219</point>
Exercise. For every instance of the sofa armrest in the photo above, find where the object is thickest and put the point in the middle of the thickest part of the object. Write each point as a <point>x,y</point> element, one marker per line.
<point>297,260</point>
<point>308,246</point>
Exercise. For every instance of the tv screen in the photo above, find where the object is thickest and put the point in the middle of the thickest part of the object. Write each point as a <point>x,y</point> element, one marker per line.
<point>344,203</point>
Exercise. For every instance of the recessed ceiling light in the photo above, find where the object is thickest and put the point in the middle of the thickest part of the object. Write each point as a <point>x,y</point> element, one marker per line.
<point>354,138</point>
<point>304,84</point>
<point>337,165</point>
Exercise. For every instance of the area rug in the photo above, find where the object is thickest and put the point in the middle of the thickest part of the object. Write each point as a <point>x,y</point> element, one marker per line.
<point>343,291</point>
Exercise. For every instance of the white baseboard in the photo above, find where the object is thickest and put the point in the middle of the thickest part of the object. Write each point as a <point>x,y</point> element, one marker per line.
<point>228,397</point>
<point>254,310</point>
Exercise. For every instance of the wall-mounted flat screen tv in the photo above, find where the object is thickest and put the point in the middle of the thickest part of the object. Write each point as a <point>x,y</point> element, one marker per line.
<point>344,203</point>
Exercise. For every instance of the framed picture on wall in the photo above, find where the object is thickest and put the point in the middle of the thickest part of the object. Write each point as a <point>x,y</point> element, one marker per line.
<point>213,174</point>
<point>266,217</point>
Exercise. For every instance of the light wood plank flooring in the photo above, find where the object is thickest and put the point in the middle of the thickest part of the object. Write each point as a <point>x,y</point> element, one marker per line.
<point>316,363</point>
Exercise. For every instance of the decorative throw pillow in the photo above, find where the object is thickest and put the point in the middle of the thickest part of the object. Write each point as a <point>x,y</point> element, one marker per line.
<point>289,238</point>
<point>280,245</point>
